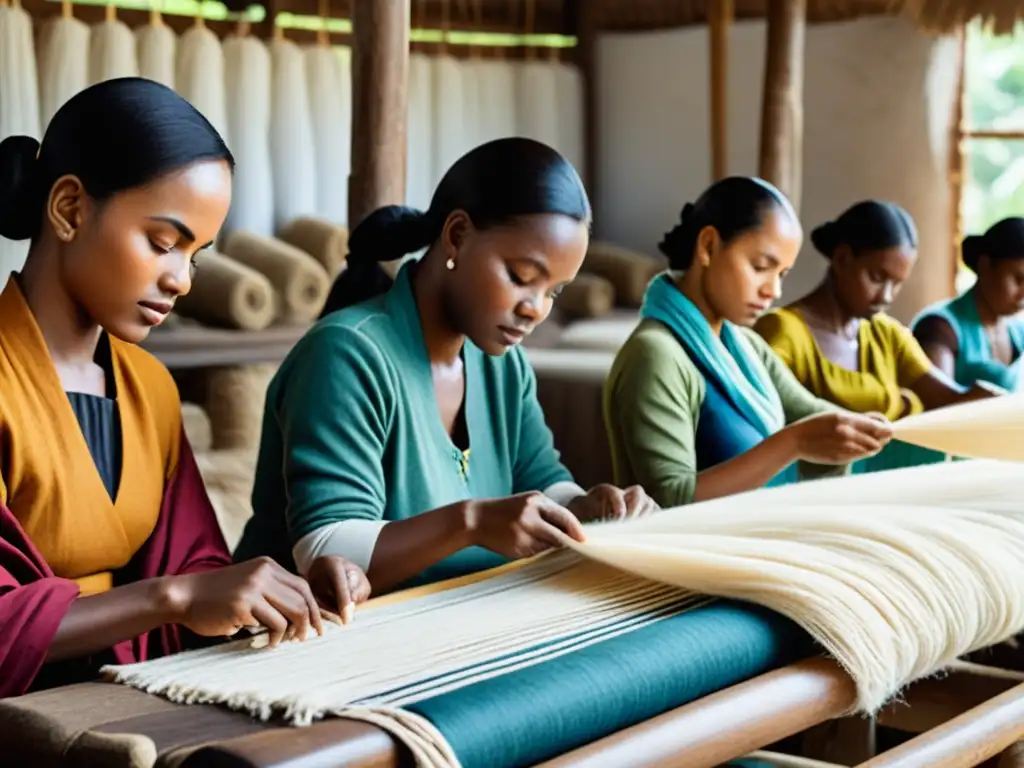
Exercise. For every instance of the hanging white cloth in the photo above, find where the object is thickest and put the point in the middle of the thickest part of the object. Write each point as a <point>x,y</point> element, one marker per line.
<point>496,96</point>
<point>292,150</point>
<point>328,72</point>
<point>199,74</point>
<point>571,140</point>
<point>472,117</point>
<point>63,61</point>
<point>449,118</point>
<point>112,51</point>
<point>419,165</point>
<point>19,105</point>
<point>155,44</point>
<point>247,81</point>
<point>537,98</point>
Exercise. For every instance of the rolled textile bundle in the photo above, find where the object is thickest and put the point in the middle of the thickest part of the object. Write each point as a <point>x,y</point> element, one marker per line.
<point>228,477</point>
<point>300,282</point>
<point>628,271</point>
<point>234,402</point>
<point>197,427</point>
<point>229,294</point>
<point>587,296</point>
<point>324,241</point>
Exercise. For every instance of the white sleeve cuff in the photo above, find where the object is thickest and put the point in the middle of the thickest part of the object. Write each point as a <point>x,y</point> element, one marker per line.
<point>352,539</point>
<point>564,492</point>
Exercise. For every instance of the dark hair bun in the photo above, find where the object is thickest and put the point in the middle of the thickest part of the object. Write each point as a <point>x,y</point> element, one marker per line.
<point>677,243</point>
<point>971,249</point>
<point>825,239</point>
<point>390,233</point>
<point>18,210</point>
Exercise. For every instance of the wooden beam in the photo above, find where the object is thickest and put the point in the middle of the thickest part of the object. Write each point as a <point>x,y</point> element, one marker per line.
<point>380,80</point>
<point>782,117</point>
<point>720,16</point>
<point>584,19</point>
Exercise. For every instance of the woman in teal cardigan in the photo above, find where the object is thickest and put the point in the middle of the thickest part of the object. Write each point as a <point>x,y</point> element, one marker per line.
<point>979,335</point>
<point>403,431</point>
<point>697,405</point>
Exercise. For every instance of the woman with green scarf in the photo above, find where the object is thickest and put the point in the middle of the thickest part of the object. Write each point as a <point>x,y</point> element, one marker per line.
<point>697,405</point>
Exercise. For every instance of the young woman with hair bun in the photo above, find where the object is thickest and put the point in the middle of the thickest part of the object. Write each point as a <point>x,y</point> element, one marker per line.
<point>697,405</point>
<point>403,431</point>
<point>841,344</point>
<point>109,548</point>
<point>979,335</point>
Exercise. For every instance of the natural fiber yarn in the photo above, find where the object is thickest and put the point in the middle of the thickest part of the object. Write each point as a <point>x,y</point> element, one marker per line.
<point>63,62</point>
<point>229,294</point>
<point>420,177</point>
<point>156,45</point>
<point>324,241</point>
<point>112,51</point>
<point>996,429</point>
<point>19,104</point>
<point>197,427</point>
<point>330,102</point>
<point>234,401</point>
<point>571,139</point>
<point>300,282</point>
<point>449,115</point>
<point>199,74</point>
<point>292,146</point>
<point>895,589</point>
<point>247,85</point>
<point>497,105</point>
<point>537,99</point>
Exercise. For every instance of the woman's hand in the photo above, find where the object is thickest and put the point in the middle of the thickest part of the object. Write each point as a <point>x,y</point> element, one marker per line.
<point>258,592</point>
<point>606,502</point>
<point>838,437</point>
<point>521,525</point>
<point>339,585</point>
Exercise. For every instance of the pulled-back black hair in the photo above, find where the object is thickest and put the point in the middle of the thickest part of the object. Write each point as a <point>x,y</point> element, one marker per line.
<point>493,183</point>
<point>114,136</point>
<point>1003,240</point>
<point>870,225</point>
<point>733,206</point>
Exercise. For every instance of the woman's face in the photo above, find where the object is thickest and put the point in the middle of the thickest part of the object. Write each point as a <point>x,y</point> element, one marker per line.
<point>506,277</point>
<point>1001,283</point>
<point>868,282</point>
<point>743,277</point>
<point>126,261</point>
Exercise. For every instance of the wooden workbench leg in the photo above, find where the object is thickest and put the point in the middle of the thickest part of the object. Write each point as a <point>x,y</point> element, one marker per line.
<point>1013,757</point>
<point>847,741</point>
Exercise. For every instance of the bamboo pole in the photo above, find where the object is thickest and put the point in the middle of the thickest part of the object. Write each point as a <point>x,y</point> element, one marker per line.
<point>720,18</point>
<point>782,116</point>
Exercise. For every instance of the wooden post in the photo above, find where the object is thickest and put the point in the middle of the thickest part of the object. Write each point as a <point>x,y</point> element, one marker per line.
<point>720,17</point>
<point>584,21</point>
<point>782,111</point>
<point>380,77</point>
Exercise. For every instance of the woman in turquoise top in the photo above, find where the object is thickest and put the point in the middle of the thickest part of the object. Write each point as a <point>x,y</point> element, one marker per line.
<point>403,432</point>
<point>979,335</point>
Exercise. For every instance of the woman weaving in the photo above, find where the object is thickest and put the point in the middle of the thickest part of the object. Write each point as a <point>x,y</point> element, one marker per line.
<point>109,548</point>
<point>403,431</point>
<point>697,406</point>
<point>979,335</point>
<point>840,343</point>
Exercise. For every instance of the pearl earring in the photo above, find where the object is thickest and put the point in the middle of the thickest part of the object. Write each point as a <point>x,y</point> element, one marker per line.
<point>450,264</point>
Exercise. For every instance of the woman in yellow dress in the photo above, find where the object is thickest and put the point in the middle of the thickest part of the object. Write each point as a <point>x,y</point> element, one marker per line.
<point>841,344</point>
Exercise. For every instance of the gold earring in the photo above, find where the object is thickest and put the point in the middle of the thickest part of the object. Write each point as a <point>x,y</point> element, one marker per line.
<point>450,264</point>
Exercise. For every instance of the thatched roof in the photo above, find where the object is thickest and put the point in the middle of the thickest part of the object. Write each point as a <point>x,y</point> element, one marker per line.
<point>559,16</point>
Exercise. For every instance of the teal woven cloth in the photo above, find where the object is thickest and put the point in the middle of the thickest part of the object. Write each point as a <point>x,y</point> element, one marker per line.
<point>535,714</point>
